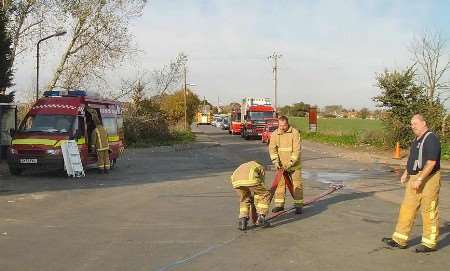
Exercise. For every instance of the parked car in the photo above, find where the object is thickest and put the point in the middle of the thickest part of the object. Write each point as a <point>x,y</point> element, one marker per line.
<point>226,123</point>
<point>271,125</point>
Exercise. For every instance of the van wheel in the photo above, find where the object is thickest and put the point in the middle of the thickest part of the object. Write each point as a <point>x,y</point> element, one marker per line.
<point>15,170</point>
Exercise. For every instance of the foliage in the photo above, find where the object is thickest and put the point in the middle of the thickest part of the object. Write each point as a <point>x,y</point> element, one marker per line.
<point>6,54</point>
<point>98,38</point>
<point>402,98</point>
<point>364,113</point>
<point>173,106</point>
<point>296,110</point>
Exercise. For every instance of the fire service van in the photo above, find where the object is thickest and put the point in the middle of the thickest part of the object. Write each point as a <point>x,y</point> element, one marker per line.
<point>61,116</point>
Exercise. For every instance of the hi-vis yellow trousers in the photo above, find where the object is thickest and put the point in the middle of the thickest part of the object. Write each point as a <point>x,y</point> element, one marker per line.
<point>297,184</point>
<point>426,198</point>
<point>261,198</point>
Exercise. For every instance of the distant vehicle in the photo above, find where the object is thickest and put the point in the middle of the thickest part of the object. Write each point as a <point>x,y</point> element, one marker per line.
<point>254,113</point>
<point>272,125</point>
<point>204,115</point>
<point>216,120</point>
<point>60,116</point>
<point>226,123</point>
<point>235,121</point>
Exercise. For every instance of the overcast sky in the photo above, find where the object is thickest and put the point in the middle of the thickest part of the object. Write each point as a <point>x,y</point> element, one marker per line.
<point>331,49</point>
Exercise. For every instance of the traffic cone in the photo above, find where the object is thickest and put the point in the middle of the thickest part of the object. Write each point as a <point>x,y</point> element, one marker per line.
<point>397,151</point>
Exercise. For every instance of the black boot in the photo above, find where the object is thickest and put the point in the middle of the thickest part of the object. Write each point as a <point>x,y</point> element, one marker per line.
<point>277,209</point>
<point>299,210</point>
<point>424,249</point>
<point>106,171</point>
<point>262,222</point>
<point>391,242</point>
<point>242,225</point>
<point>100,171</point>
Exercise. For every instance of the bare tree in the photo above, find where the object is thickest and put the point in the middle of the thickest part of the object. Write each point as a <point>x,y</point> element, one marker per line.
<point>434,63</point>
<point>99,38</point>
<point>169,76</point>
<point>159,82</point>
<point>27,23</point>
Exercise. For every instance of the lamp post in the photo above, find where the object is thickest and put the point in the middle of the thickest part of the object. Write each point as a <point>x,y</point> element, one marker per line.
<point>57,34</point>
<point>185,97</point>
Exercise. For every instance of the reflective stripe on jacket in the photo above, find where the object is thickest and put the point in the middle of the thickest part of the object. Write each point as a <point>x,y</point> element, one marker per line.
<point>284,148</point>
<point>248,174</point>
<point>100,138</point>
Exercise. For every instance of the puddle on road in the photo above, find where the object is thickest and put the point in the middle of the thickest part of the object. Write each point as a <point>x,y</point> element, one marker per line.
<point>377,172</point>
<point>330,177</point>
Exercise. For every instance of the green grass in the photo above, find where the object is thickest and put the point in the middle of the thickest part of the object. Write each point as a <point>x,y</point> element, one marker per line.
<point>338,126</point>
<point>177,137</point>
<point>349,132</point>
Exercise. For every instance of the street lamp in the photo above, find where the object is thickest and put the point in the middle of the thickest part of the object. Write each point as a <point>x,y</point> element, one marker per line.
<point>56,34</point>
<point>185,102</point>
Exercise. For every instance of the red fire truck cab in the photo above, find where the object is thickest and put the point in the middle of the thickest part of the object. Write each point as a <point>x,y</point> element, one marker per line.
<point>255,111</point>
<point>61,116</point>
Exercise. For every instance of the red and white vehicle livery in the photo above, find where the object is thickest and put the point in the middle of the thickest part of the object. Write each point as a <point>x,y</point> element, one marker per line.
<point>60,116</point>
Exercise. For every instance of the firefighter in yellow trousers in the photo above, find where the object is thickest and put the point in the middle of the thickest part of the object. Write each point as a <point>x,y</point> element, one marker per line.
<point>100,143</point>
<point>284,149</point>
<point>423,180</point>
<point>248,179</point>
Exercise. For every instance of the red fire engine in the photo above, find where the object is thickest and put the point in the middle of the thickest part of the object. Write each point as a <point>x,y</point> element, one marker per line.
<point>254,114</point>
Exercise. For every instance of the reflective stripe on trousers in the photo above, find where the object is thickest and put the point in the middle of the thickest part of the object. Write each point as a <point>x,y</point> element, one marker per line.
<point>427,199</point>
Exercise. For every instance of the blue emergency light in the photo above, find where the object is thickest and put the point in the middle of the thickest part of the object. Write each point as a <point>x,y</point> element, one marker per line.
<point>61,93</point>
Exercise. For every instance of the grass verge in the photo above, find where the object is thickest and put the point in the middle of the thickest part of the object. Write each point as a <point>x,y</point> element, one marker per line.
<point>176,137</point>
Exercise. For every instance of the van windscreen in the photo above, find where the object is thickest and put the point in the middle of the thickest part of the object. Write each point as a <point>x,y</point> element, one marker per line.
<point>48,123</point>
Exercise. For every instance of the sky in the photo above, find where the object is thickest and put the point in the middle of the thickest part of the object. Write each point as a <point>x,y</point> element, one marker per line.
<point>331,50</point>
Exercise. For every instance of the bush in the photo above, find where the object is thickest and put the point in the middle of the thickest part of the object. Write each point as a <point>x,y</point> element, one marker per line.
<point>373,138</point>
<point>142,123</point>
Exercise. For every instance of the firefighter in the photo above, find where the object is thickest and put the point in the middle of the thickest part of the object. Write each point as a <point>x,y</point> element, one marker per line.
<point>248,179</point>
<point>99,142</point>
<point>423,180</point>
<point>284,149</point>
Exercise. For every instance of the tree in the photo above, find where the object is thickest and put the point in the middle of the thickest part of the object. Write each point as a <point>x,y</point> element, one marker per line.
<point>173,106</point>
<point>364,113</point>
<point>6,55</point>
<point>29,20</point>
<point>429,52</point>
<point>401,97</point>
<point>170,75</point>
<point>99,38</point>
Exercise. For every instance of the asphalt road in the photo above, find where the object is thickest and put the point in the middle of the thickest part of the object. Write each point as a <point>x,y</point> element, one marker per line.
<point>166,209</point>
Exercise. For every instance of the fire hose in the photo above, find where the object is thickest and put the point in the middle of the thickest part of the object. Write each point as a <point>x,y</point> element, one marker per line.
<point>288,182</point>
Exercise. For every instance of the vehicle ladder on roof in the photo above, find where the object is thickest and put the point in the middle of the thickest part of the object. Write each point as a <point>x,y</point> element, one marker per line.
<point>72,159</point>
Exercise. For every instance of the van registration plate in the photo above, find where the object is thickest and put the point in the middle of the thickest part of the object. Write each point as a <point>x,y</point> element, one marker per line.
<point>28,161</point>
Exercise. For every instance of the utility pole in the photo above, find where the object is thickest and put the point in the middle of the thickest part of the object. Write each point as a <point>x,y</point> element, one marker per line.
<point>218,105</point>
<point>275,56</point>
<point>185,100</point>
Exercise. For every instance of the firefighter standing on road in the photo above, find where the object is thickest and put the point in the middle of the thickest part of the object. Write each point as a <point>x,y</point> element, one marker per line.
<point>99,142</point>
<point>284,149</point>
<point>248,178</point>
<point>423,180</point>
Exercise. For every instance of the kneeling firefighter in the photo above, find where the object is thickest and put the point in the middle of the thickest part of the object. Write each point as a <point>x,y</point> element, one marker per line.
<point>248,179</point>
